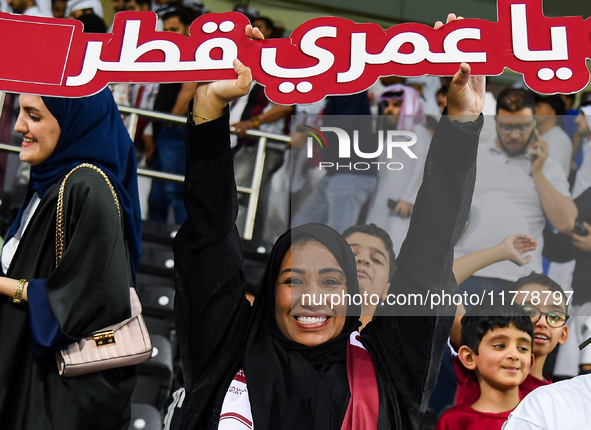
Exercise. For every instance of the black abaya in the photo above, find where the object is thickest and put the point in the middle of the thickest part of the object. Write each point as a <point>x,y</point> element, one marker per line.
<point>212,313</point>
<point>89,290</point>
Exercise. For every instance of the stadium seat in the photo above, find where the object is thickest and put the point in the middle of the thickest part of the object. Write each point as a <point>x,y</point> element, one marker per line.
<point>156,259</point>
<point>145,417</point>
<point>157,297</point>
<point>155,375</point>
<point>157,232</point>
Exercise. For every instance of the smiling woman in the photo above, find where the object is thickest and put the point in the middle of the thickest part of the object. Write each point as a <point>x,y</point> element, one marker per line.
<point>39,128</point>
<point>286,363</point>
<point>309,270</point>
<point>299,343</point>
<point>44,306</point>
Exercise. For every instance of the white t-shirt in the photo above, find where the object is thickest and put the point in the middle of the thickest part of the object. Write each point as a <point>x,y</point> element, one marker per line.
<point>505,202</point>
<point>560,147</point>
<point>563,405</point>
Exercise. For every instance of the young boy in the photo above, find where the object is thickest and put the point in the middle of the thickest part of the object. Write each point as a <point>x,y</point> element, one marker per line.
<point>376,260</point>
<point>545,302</point>
<point>497,347</point>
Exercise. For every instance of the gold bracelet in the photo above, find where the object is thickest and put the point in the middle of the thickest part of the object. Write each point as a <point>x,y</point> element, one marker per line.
<point>202,117</point>
<point>18,293</point>
<point>256,121</point>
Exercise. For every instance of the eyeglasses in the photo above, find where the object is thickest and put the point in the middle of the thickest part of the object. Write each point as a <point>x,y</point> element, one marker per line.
<point>522,129</point>
<point>554,319</point>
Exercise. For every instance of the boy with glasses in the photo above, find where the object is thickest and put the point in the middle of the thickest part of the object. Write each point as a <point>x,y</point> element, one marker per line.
<point>547,305</point>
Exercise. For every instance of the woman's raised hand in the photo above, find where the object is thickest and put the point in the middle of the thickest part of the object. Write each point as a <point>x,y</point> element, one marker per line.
<point>211,98</point>
<point>465,97</point>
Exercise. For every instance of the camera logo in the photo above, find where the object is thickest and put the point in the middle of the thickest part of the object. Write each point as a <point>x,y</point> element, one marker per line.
<point>316,134</point>
<point>386,139</point>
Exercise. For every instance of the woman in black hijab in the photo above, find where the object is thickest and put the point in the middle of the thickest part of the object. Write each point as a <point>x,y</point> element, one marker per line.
<point>268,366</point>
<point>307,358</point>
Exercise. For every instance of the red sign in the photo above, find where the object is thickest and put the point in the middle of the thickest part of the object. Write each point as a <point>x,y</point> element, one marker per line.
<point>324,56</point>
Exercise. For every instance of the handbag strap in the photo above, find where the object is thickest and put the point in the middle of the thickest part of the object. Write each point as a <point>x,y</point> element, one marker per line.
<point>59,219</point>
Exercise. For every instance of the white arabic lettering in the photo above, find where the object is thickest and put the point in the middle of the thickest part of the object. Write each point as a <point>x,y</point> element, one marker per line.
<point>521,50</point>
<point>131,52</point>
<point>89,66</point>
<point>451,53</point>
<point>307,46</point>
<point>360,57</point>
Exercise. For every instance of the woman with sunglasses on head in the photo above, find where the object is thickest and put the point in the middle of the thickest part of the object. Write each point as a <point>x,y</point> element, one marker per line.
<point>46,306</point>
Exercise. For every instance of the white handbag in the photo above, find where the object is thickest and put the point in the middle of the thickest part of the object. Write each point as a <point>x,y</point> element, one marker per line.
<point>123,344</point>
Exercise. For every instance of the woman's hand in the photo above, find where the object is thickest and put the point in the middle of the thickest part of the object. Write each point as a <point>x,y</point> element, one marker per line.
<point>465,97</point>
<point>211,98</point>
<point>8,288</point>
<point>583,242</point>
<point>515,245</point>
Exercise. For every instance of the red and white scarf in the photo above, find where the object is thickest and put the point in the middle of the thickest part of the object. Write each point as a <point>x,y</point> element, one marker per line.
<point>362,412</point>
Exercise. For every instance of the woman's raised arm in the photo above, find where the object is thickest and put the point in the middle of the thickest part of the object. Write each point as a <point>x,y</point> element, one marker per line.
<point>211,311</point>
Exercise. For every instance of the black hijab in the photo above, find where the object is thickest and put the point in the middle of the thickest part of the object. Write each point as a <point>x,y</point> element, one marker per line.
<point>290,385</point>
